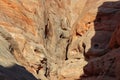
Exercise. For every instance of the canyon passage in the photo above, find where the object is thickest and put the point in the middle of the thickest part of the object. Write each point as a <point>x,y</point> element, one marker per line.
<point>59,39</point>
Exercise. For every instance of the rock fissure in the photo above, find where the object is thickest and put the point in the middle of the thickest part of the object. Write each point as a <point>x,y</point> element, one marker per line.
<point>59,39</point>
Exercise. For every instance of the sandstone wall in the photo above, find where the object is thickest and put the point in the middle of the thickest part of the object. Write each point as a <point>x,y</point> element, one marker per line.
<point>55,39</point>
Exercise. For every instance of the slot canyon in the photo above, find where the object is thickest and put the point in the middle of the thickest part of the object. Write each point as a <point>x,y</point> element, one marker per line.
<point>59,39</point>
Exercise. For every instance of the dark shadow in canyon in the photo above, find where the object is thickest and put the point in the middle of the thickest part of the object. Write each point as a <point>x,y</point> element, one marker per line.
<point>104,26</point>
<point>15,72</point>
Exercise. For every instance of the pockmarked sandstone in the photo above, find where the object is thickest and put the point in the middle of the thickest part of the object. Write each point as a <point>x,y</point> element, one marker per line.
<point>59,39</point>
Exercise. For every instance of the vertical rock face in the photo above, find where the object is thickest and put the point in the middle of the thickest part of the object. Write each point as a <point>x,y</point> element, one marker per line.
<point>101,43</point>
<point>55,39</point>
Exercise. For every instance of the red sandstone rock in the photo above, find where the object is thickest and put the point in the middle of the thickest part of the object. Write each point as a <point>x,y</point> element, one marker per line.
<point>41,35</point>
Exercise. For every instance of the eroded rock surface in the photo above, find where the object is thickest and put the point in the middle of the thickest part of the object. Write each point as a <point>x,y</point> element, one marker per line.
<point>55,39</point>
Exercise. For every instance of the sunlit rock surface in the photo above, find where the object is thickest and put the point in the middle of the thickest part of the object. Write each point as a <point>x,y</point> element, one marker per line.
<point>59,39</point>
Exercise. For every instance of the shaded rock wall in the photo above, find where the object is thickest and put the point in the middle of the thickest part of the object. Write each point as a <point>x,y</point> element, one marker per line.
<point>54,39</point>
